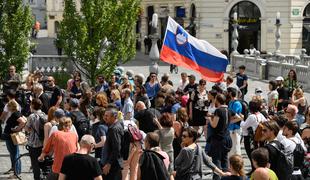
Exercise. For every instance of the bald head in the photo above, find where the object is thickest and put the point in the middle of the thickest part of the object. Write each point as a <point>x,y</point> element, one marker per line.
<point>140,106</point>
<point>87,140</point>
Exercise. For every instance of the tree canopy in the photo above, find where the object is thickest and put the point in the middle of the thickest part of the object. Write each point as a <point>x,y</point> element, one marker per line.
<point>85,32</point>
<point>15,28</point>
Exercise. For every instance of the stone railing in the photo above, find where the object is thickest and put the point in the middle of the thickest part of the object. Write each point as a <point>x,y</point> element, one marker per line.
<point>50,63</point>
<point>269,66</point>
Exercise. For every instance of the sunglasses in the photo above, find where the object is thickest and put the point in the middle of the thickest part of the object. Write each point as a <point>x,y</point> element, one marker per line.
<point>202,84</point>
<point>49,81</point>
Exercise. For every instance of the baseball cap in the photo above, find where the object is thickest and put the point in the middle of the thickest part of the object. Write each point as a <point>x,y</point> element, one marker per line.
<point>74,102</point>
<point>258,90</point>
<point>279,78</point>
<point>59,113</point>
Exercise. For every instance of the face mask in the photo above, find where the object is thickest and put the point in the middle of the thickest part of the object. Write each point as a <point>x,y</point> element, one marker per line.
<point>258,94</point>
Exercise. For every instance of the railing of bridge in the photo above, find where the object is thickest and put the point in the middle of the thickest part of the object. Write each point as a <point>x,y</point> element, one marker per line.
<point>270,66</point>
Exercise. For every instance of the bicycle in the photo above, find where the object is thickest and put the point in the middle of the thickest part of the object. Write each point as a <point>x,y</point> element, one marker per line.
<point>174,68</point>
<point>23,161</point>
<point>45,166</point>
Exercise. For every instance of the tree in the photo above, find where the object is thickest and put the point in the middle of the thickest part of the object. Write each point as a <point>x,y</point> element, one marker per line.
<point>15,28</point>
<point>85,32</point>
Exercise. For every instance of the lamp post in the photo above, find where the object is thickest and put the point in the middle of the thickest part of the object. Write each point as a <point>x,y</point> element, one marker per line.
<point>154,53</point>
<point>235,35</point>
<point>278,34</point>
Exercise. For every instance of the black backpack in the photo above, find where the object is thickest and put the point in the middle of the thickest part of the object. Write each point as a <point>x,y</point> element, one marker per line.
<point>42,120</point>
<point>285,161</point>
<point>81,123</point>
<point>299,155</point>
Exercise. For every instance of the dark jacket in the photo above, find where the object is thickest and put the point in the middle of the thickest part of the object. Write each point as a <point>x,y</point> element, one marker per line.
<point>113,145</point>
<point>45,102</point>
<point>152,166</point>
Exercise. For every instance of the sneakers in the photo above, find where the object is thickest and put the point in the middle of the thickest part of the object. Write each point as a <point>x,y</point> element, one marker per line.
<point>9,171</point>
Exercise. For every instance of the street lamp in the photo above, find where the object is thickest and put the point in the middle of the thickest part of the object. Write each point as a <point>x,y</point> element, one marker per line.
<point>154,53</point>
<point>278,34</point>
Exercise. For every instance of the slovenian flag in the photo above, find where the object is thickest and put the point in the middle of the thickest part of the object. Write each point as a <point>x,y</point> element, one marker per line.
<point>182,49</point>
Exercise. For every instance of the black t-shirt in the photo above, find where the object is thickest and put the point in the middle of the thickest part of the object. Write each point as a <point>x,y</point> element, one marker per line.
<point>233,177</point>
<point>54,93</point>
<point>283,93</point>
<point>221,130</point>
<point>145,119</point>
<point>12,122</point>
<point>45,102</point>
<point>240,79</point>
<point>190,88</point>
<point>80,167</point>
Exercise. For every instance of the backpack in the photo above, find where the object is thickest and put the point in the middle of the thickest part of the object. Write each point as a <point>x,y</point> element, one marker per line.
<point>152,166</point>
<point>135,134</point>
<point>285,161</point>
<point>42,120</point>
<point>299,155</point>
<point>81,123</point>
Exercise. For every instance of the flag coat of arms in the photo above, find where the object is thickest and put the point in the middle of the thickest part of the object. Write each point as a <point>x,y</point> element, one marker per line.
<point>182,49</point>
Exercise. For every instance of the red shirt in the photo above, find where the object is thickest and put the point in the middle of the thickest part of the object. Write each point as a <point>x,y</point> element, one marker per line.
<point>63,143</point>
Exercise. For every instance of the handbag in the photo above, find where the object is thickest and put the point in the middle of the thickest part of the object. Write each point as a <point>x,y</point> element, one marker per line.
<point>19,138</point>
<point>135,133</point>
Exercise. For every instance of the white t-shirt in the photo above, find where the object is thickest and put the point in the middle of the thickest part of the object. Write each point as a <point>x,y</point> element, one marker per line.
<point>9,113</point>
<point>55,128</point>
<point>272,95</point>
<point>252,121</point>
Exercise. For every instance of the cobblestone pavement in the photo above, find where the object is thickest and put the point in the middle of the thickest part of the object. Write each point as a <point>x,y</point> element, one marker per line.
<point>139,65</point>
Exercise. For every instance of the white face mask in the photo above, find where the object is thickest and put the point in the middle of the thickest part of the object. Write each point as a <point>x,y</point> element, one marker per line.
<point>258,94</point>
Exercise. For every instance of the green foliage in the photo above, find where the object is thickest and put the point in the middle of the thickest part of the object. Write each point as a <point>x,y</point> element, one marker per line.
<point>61,79</point>
<point>15,28</point>
<point>84,32</point>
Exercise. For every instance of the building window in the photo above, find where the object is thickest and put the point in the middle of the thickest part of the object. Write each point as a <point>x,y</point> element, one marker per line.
<point>31,1</point>
<point>180,12</point>
<point>306,29</point>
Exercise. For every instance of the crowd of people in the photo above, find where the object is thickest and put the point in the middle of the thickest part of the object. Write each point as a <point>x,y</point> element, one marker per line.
<point>129,127</point>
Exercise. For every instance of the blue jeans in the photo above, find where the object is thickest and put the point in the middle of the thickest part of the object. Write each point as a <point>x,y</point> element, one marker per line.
<point>14,154</point>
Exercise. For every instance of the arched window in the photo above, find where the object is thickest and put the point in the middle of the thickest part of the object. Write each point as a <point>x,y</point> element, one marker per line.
<point>306,29</point>
<point>249,25</point>
<point>150,12</point>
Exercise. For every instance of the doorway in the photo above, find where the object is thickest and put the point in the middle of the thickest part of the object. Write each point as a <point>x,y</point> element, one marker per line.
<point>306,29</point>
<point>249,26</point>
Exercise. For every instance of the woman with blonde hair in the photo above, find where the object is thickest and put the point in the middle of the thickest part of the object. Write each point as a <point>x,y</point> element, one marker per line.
<point>236,167</point>
<point>299,100</point>
<point>102,100</point>
<point>116,98</point>
<point>15,123</point>
<point>62,142</point>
